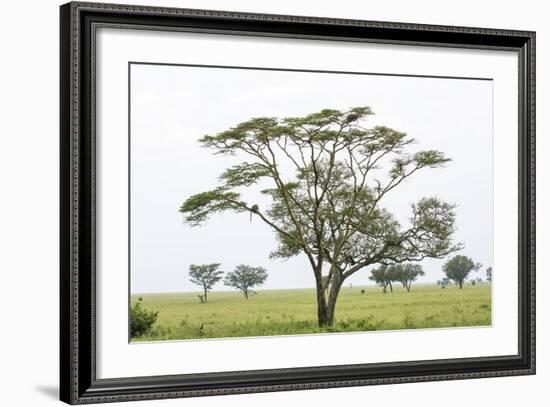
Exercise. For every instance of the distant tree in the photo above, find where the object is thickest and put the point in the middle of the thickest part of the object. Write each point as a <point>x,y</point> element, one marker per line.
<point>406,273</point>
<point>458,268</point>
<point>383,277</point>
<point>489,274</point>
<point>205,275</point>
<point>245,277</point>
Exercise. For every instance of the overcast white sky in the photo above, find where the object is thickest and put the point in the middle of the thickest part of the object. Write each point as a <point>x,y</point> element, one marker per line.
<point>173,106</point>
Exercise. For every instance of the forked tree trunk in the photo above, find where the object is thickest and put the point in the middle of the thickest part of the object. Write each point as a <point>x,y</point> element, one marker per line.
<point>326,306</point>
<point>321,302</point>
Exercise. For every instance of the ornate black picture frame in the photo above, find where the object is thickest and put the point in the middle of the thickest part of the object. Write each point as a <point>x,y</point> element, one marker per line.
<point>78,381</point>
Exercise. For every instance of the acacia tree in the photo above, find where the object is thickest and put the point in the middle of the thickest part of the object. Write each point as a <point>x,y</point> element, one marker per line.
<point>403,273</point>
<point>383,277</point>
<point>205,275</point>
<point>407,273</point>
<point>458,268</point>
<point>245,277</point>
<point>329,208</point>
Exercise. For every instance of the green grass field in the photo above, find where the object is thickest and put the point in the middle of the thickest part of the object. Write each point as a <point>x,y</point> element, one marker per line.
<point>289,312</point>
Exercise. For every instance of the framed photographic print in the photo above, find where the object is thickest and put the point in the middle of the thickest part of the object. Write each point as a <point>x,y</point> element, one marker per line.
<point>255,203</point>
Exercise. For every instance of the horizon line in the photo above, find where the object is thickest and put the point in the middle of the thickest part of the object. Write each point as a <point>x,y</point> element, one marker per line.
<point>484,282</point>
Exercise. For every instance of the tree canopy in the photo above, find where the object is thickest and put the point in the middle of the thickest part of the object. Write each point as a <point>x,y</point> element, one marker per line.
<point>383,276</point>
<point>244,278</point>
<point>329,205</point>
<point>404,273</point>
<point>205,275</point>
<point>407,273</point>
<point>458,268</point>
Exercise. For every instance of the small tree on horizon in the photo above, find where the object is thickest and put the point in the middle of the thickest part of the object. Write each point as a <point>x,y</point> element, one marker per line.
<point>382,277</point>
<point>407,273</point>
<point>245,277</point>
<point>205,275</point>
<point>489,274</point>
<point>458,268</point>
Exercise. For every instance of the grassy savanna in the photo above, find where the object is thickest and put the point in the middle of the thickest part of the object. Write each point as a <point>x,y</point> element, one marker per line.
<point>328,175</point>
<point>288,312</point>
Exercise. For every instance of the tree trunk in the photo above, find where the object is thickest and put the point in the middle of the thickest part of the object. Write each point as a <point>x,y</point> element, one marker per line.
<point>460,284</point>
<point>335,286</point>
<point>326,306</point>
<point>391,287</point>
<point>408,286</point>
<point>321,302</point>
<point>245,292</point>
<point>205,294</point>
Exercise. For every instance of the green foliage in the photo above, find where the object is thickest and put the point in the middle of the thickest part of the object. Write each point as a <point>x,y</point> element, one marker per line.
<point>405,273</point>
<point>332,154</point>
<point>383,277</point>
<point>205,276</point>
<point>292,312</point>
<point>244,278</point>
<point>141,320</point>
<point>200,206</point>
<point>244,174</point>
<point>458,268</point>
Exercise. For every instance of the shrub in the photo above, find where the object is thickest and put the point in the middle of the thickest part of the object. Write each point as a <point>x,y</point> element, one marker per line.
<point>141,320</point>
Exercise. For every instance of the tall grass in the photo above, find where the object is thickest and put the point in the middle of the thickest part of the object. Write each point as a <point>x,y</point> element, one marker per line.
<point>288,312</point>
